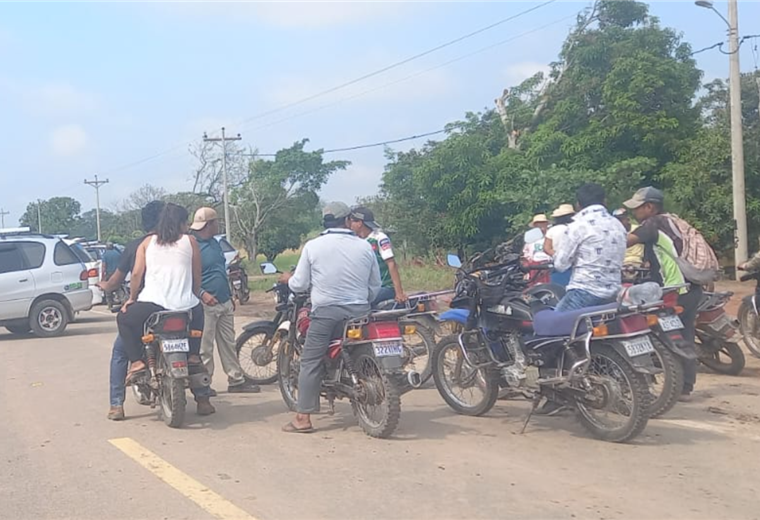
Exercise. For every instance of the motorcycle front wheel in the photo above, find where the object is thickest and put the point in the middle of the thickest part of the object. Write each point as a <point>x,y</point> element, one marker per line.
<point>749,323</point>
<point>616,408</point>
<point>377,402</point>
<point>288,369</point>
<point>257,354</point>
<point>467,390</point>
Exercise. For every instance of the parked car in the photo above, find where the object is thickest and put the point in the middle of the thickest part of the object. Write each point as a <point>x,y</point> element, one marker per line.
<point>43,283</point>
<point>94,269</point>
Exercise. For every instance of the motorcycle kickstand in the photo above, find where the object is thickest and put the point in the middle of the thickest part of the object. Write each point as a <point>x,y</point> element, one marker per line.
<point>536,400</point>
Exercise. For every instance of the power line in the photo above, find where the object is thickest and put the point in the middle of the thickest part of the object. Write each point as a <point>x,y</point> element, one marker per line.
<point>346,84</point>
<point>395,65</point>
<point>719,45</point>
<point>361,146</point>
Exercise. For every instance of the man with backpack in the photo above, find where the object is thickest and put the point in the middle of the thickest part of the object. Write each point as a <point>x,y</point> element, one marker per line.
<point>676,253</point>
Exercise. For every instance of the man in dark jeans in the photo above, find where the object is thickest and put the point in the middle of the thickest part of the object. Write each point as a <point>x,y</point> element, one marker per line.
<point>662,245</point>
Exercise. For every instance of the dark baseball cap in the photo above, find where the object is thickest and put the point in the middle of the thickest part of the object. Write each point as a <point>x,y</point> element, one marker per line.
<point>365,215</point>
<point>644,195</point>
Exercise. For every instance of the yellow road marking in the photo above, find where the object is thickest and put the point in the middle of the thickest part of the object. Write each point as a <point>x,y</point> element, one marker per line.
<point>213,503</point>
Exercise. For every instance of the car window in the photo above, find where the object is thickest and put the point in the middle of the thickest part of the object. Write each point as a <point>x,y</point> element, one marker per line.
<point>34,253</point>
<point>226,246</point>
<point>63,255</point>
<point>95,253</point>
<point>11,259</point>
<point>82,255</point>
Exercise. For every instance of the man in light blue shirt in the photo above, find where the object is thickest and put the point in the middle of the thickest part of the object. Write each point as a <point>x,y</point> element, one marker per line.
<point>340,270</point>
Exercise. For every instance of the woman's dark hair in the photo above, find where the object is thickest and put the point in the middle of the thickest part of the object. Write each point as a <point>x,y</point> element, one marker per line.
<point>564,219</point>
<point>590,194</point>
<point>150,214</point>
<point>169,229</point>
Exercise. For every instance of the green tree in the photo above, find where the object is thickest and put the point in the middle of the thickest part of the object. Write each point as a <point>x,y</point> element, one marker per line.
<point>271,186</point>
<point>60,215</point>
<point>289,226</point>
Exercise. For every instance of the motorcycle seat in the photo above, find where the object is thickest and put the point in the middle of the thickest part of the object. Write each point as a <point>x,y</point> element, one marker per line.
<point>552,323</point>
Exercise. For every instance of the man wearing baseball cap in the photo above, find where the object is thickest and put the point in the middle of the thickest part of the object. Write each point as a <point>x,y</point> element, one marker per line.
<point>340,270</point>
<point>362,222</point>
<point>662,245</point>
<point>218,308</point>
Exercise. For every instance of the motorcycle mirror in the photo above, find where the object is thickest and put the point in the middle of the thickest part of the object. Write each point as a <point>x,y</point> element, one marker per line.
<point>533,235</point>
<point>268,268</point>
<point>454,261</point>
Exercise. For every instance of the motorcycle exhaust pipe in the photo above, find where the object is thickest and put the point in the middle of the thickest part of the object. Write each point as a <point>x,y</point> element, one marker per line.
<point>414,379</point>
<point>199,380</point>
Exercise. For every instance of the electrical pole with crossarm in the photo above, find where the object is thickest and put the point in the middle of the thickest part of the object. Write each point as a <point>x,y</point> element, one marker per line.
<point>224,140</point>
<point>97,184</point>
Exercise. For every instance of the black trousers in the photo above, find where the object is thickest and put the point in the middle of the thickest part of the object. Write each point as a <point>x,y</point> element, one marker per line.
<point>132,324</point>
<point>690,303</point>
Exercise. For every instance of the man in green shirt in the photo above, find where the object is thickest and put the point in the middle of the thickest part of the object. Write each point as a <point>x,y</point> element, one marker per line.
<point>362,222</point>
<point>218,309</point>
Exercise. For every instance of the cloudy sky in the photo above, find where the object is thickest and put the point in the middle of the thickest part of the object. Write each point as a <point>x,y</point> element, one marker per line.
<point>122,89</point>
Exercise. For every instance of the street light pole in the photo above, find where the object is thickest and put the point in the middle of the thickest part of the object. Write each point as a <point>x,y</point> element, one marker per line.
<point>737,138</point>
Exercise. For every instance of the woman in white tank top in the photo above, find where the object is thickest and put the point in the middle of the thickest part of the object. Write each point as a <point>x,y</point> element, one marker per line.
<point>166,276</point>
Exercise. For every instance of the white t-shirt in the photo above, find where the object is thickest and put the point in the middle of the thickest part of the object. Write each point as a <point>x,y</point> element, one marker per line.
<point>555,234</point>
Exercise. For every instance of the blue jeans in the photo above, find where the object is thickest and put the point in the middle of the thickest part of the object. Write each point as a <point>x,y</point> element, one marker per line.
<point>119,367</point>
<point>385,294</point>
<point>575,299</point>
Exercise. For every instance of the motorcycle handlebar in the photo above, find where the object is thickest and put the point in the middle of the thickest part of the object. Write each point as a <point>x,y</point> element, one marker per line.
<point>750,276</point>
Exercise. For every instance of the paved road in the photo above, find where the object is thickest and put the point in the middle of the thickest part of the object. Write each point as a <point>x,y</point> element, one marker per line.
<point>61,458</point>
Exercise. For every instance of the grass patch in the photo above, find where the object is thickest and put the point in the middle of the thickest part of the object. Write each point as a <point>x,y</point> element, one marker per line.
<point>414,277</point>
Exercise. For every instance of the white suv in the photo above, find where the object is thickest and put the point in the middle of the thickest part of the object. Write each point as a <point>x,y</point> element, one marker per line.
<point>42,283</point>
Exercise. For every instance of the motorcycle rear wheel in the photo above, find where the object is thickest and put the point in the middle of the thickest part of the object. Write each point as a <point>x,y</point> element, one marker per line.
<point>612,373</point>
<point>450,368</point>
<point>377,393</point>
<point>288,369</point>
<point>173,401</point>
<point>664,388</point>
<point>726,358</point>
<point>749,323</point>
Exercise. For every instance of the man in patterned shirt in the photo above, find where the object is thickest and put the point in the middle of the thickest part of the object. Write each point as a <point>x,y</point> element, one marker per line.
<point>594,246</point>
<point>363,223</point>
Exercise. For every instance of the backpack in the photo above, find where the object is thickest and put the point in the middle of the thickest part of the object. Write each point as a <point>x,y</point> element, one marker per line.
<point>697,261</point>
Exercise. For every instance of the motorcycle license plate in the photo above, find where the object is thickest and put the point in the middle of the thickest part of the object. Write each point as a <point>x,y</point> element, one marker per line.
<point>388,349</point>
<point>175,345</point>
<point>638,346</point>
<point>669,323</point>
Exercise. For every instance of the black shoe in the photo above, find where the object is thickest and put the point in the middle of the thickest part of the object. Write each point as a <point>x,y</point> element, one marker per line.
<point>244,388</point>
<point>211,392</point>
<point>550,408</point>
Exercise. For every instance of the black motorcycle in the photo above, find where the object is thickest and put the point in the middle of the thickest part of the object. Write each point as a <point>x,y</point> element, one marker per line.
<point>595,361</point>
<point>748,316</point>
<point>169,374</point>
<point>238,281</point>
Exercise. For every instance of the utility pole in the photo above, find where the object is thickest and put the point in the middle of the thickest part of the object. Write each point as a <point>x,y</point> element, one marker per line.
<point>97,184</point>
<point>224,140</point>
<point>3,213</point>
<point>39,216</point>
<point>737,138</point>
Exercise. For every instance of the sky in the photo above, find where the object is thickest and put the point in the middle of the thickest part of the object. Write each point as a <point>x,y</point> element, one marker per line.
<point>122,89</point>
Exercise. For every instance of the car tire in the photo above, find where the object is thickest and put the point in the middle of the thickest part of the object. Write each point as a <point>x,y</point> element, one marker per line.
<point>48,318</point>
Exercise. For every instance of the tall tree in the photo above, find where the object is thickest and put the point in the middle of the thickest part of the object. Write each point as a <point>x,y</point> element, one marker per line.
<point>60,215</point>
<point>272,185</point>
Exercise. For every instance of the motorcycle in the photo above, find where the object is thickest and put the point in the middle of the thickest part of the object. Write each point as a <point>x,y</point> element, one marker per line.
<point>718,336</point>
<point>749,323</point>
<point>364,365</point>
<point>671,351</point>
<point>423,315</point>
<point>238,281</point>
<point>168,374</point>
<point>593,360</point>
